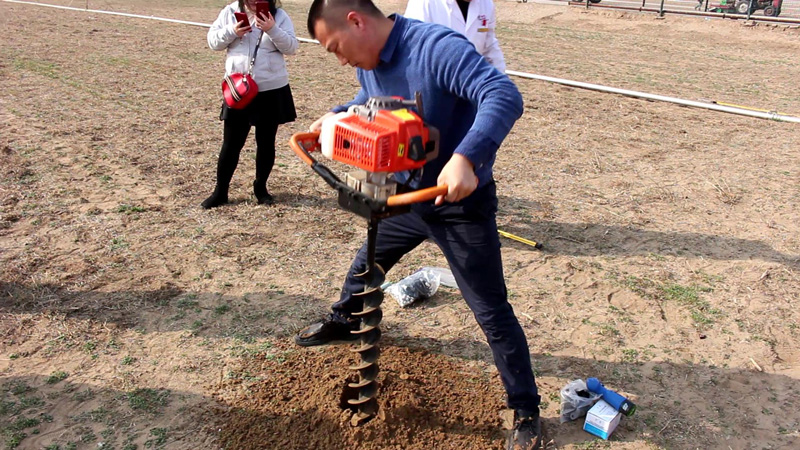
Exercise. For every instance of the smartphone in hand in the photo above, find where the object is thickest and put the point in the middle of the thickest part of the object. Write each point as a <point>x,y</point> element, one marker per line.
<point>262,8</point>
<point>240,16</point>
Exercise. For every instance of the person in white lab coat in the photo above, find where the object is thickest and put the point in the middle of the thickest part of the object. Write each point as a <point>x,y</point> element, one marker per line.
<point>475,19</point>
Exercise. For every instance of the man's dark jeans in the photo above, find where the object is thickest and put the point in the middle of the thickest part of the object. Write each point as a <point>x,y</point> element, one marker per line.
<point>467,234</point>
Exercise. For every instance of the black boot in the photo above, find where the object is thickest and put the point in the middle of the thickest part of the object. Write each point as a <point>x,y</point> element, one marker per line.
<point>218,198</point>
<point>262,195</point>
<point>527,432</point>
<point>265,159</point>
<point>235,135</point>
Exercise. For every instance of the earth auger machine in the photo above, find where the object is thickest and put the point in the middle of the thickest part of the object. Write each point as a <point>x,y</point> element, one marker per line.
<point>381,138</point>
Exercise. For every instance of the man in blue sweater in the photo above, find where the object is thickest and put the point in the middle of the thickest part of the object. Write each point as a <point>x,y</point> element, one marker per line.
<point>474,107</point>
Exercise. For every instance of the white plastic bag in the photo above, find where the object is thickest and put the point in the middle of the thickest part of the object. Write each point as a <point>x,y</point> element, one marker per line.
<point>420,284</point>
<point>446,277</point>
<point>576,400</point>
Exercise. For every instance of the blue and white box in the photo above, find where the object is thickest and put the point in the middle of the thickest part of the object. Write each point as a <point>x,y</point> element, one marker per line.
<point>602,419</point>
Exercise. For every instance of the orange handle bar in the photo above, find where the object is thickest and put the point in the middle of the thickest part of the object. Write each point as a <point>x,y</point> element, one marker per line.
<point>417,196</point>
<point>305,143</point>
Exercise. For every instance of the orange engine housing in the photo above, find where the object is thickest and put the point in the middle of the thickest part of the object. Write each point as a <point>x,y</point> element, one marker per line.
<point>382,144</point>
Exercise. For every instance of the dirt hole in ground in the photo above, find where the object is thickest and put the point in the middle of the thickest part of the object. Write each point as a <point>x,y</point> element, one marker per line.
<point>292,398</point>
<point>349,393</point>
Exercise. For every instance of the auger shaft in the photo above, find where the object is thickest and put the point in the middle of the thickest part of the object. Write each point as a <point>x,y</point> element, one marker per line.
<point>369,332</point>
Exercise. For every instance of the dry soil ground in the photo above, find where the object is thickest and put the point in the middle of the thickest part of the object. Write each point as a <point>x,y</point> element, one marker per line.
<point>131,318</point>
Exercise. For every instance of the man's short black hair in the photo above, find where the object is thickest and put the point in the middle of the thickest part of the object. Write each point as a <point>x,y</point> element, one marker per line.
<point>327,10</point>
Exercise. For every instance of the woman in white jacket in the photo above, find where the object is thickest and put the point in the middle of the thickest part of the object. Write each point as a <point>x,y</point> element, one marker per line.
<point>272,106</point>
<point>475,19</point>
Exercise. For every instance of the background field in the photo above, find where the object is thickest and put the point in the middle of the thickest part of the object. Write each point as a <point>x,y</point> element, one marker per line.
<point>132,318</point>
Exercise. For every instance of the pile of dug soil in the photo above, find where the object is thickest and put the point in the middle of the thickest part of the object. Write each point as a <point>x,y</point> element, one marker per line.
<point>294,400</point>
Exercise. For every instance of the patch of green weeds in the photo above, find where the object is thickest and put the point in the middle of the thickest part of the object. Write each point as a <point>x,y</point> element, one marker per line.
<point>26,402</point>
<point>118,243</point>
<point>159,438</point>
<point>544,404</point>
<point>13,434</point>
<point>592,445</point>
<point>222,309</point>
<point>37,66</point>
<point>641,286</point>
<point>57,376</point>
<point>13,438</point>
<point>127,360</point>
<point>90,346</point>
<point>701,311</point>
<point>688,295</point>
<point>17,387</point>
<point>630,355</point>
<point>128,444</point>
<point>188,302</point>
<point>130,209</point>
<point>148,400</point>
<point>86,435</point>
<point>23,423</point>
<point>83,396</point>
<point>197,325</point>
<point>279,358</point>
<point>608,330</point>
<point>99,415</point>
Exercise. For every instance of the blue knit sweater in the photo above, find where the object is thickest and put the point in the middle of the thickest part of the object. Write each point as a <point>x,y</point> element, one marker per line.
<point>472,104</point>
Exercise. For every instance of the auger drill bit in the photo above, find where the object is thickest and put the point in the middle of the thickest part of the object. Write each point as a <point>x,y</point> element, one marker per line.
<point>369,333</point>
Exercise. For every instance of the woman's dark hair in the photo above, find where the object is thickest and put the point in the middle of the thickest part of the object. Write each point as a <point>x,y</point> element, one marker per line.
<point>332,12</point>
<point>273,6</point>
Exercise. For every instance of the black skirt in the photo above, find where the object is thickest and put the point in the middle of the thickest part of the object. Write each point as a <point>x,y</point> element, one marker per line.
<point>269,107</point>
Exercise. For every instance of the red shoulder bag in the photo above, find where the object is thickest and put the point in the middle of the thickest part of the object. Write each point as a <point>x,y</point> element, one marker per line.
<point>239,89</point>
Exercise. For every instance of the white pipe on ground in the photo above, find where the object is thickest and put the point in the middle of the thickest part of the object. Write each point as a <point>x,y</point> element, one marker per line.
<point>595,87</point>
<point>113,13</point>
<point>714,107</point>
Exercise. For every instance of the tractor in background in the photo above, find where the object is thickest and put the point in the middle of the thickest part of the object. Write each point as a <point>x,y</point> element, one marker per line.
<point>770,7</point>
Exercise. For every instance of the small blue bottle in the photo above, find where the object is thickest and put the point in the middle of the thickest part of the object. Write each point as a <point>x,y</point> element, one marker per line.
<point>617,401</point>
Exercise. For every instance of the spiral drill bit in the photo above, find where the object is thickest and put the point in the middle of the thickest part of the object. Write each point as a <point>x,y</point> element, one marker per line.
<point>369,333</point>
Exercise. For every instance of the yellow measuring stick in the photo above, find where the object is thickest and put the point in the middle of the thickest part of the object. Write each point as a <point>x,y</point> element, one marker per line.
<point>732,105</point>
<point>519,239</point>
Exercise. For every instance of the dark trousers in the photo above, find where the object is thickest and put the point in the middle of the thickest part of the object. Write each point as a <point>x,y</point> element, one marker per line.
<point>467,234</point>
<point>234,137</point>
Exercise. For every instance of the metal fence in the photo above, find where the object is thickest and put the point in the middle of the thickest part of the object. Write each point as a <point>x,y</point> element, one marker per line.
<point>786,11</point>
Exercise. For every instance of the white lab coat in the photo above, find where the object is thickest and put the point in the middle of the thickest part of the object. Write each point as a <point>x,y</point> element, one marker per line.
<point>479,27</point>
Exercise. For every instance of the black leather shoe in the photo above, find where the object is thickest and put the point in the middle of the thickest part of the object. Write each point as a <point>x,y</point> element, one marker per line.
<point>527,433</point>
<point>327,331</point>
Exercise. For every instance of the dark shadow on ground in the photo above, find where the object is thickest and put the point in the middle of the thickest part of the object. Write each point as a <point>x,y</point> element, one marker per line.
<point>595,239</point>
<point>251,316</point>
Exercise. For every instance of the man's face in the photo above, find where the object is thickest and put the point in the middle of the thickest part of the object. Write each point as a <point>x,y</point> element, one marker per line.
<point>351,42</point>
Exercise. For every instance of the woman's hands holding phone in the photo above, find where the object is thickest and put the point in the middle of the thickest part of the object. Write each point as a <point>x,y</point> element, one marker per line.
<point>242,26</point>
<point>264,21</point>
